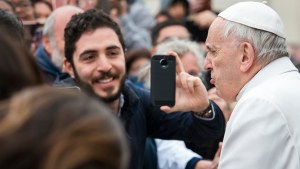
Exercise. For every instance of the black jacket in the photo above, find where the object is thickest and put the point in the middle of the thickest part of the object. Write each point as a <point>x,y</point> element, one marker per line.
<point>141,119</point>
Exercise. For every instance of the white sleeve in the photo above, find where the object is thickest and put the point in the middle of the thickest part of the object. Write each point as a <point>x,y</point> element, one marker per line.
<point>173,154</point>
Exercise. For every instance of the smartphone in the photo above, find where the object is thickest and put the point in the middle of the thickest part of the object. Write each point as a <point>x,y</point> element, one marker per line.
<point>163,76</point>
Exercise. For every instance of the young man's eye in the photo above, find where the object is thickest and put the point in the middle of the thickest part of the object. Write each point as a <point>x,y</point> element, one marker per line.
<point>89,57</point>
<point>114,52</point>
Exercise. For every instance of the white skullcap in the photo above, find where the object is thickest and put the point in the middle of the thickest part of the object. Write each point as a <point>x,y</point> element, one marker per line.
<point>256,15</point>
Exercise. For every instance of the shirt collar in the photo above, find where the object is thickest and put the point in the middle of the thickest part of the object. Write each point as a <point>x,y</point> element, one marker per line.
<point>276,67</point>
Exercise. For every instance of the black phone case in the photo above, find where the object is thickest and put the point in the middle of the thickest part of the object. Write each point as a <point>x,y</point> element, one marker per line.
<point>163,80</point>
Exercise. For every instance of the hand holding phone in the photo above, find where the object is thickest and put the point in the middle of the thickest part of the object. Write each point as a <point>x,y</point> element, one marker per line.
<point>163,76</point>
<point>190,93</point>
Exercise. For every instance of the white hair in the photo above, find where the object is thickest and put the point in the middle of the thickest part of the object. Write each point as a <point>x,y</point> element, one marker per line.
<point>49,29</point>
<point>267,46</point>
<point>144,75</point>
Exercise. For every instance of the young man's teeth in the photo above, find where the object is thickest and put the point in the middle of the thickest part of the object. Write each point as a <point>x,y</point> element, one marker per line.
<point>105,80</point>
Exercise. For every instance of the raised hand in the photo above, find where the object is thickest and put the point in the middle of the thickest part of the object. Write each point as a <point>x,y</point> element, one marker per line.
<point>191,94</point>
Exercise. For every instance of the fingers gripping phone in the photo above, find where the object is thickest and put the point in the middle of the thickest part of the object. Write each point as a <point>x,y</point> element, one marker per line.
<point>163,76</point>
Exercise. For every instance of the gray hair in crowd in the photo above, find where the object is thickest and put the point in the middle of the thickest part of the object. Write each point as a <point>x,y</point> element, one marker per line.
<point>48,31</point>
<point>48,28</point>
<point>182,47</point>
<point>144,75</point>
<point>267,46</point>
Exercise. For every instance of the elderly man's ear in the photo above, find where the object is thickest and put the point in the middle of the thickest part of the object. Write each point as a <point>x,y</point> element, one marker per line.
<point>247,56</point>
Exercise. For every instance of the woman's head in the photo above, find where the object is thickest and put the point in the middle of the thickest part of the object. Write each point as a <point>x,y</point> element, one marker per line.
<point>48,128</point>
<point>18,68</point>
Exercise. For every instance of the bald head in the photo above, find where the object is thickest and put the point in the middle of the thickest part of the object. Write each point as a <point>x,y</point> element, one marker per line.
<point>53,33</point>
<point>59,19</point>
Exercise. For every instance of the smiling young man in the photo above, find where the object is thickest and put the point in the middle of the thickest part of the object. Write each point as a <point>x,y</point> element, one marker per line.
<point>94,53</point>
<point>99,63</point>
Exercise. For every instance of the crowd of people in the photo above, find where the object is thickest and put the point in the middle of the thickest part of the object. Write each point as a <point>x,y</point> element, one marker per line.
<point>75,80</point>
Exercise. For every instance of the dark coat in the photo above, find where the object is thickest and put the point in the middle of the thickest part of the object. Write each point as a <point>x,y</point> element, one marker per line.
<point>50,71</point>
<point>141,120</point>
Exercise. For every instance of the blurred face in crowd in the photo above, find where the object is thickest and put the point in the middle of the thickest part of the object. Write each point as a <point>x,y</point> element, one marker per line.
<point>294,51</point>
<point>161,18</point>
<point>136,65</point>
<point>23,9</point>
<point>199,5</point>
<point>190,64</point>
<point>224,61</point>
<point>177,31</point>
<point>87,4</point>
<point>55,45</point>
<point>58,42</point>
<point>99,63</point>
<point>177,11</point>
<point>42,11</point>
<point>6,7</point>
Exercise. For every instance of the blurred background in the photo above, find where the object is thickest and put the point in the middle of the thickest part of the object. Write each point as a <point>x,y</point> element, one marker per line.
<point>287,9</point>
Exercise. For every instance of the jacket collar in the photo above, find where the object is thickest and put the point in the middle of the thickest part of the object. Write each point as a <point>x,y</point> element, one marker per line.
<point>130,95</point>
<point>45,63</point>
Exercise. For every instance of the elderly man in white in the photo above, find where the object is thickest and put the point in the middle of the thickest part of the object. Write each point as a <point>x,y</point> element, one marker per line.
<point>249,62</point>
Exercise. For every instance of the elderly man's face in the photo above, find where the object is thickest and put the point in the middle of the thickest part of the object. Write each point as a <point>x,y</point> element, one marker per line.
<point>223,59</point>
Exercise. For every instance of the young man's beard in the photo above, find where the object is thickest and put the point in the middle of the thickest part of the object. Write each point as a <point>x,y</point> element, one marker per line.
<point>89,90</point>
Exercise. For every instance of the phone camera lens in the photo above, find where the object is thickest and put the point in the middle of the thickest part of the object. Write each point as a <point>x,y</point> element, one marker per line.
<point>163,62</point>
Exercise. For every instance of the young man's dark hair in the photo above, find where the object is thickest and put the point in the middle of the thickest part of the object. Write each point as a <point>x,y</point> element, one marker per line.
<point>157,28</point>
<point>11,25</point>
<point>90,21</point>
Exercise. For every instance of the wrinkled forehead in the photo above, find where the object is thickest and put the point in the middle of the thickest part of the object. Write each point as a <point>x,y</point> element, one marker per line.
<point>215,37</point>
<point>216,28</point>
<point>218,23</point>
